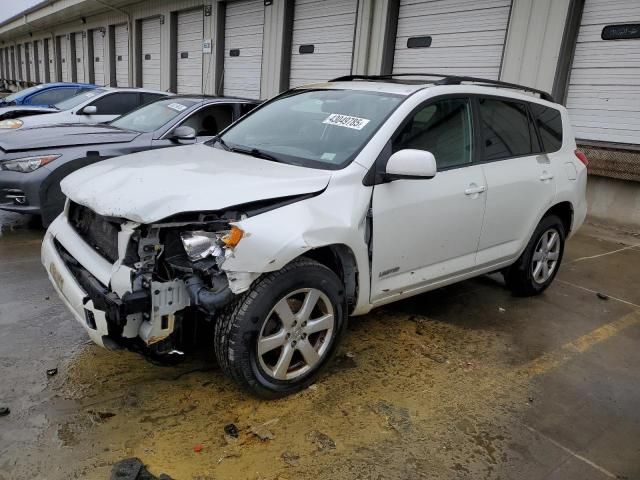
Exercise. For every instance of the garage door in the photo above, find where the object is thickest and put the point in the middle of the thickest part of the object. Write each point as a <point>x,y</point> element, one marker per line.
<point>322,43</point>
<point>121,34</point>
<point>80,60</point>
<point>150,31</point>
<point>51,65</point>
<point>189,63</point>
<point>97,37</point>
<point>22,62</point>
<point>41,61</point>
<point>604,86</point>
<point>461,37</point>
<point>31,61</point>
<point>65,69</point>
<point>244,26</point>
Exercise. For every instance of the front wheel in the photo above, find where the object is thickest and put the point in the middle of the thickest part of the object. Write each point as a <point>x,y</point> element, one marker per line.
<point>276,338</point>
<point>538,265</point>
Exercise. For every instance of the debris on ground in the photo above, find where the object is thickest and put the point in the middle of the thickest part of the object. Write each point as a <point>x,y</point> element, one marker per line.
<point>231,430</point>
<point>502,310</point>
<point>422,324</point>
<point>602,296</point>
<point>397,418</point>
<point>322,441</point>
<point>228,455</point>
<point>262,432</point>
<point>4,411</point>
<point>52,372</point>
<point>198,448</point>
<point>430,351</point>
<point>291,459</point>
<point>350,354</point>
<point>133,469</point>
<point>100,417</point>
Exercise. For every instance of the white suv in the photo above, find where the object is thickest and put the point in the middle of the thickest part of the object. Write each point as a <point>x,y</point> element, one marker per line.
<point>325,202</point>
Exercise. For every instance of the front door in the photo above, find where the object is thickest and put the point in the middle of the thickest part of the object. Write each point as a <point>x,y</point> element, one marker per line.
<point>425,231</point>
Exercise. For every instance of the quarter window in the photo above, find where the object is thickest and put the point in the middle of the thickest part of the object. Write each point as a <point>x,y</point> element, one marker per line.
<point>549,122</point>
<point>506,130</point>
<point>442,128</point>
<point>51,97</point>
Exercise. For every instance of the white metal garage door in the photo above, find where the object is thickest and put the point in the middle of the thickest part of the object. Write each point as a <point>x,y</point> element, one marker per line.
<point>52,65</point>
<point>65,68</point>
<point>151,65</point>
<point>121,56</point>
<point>244,27</point>
<point>189,63</point>
<point>322,44</point>
<point>23,62</point>
<point>604,86</point>
<point>31,61</point>
<point>458,37</point>
<point>97,37</point>
<point>80,60</point>
<point>41,61</point>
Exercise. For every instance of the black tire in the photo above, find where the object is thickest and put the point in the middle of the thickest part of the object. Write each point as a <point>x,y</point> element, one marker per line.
<point>238,328</point>
<point>519,277</point>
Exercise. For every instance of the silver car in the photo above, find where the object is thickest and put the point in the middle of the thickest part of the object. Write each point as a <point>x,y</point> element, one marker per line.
<point>94,106</point>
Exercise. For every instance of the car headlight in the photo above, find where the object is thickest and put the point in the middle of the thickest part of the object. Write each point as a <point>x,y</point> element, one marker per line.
<point>200,244</point>
<point>11,123</point>
<point>27,164</point>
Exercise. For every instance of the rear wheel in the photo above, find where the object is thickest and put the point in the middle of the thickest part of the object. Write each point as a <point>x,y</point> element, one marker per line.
<point>538,265</point>
<point>276,338</point>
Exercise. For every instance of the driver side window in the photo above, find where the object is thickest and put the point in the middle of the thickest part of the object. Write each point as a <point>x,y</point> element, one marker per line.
<point>442,128</point>
<point>210,121</point>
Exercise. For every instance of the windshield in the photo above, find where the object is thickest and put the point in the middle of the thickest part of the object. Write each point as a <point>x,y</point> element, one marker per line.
<point>21,93</point>
<point>153,116</point>
<point>72,102</point>
<point>314,128</point>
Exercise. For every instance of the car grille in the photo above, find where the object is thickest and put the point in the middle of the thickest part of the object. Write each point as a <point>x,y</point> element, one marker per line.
<point>98,231</point>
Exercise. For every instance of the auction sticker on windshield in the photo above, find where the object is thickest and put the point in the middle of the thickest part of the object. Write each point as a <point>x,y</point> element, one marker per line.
<point>178,107</point>
<point>348,121</point>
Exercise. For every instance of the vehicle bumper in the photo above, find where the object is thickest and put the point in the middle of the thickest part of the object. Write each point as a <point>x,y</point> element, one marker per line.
<point>101,295</point>
<point>20,192</point>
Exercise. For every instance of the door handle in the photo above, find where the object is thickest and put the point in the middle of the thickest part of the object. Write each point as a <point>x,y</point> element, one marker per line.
<point>546,176</point>
<point>475,190</point>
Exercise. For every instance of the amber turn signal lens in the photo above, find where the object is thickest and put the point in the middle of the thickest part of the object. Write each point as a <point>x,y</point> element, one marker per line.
<point>233,238</point>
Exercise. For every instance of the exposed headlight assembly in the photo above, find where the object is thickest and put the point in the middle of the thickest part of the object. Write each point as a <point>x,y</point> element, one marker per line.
<point>200,244</point>
<point>11,123</point>
<point>27,164</point>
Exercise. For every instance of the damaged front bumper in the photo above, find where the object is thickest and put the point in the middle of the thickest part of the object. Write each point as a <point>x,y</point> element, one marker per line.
<point>115,307</point>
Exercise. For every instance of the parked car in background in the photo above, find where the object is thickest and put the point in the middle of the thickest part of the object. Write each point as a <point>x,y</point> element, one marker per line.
<point>44,95</point>
<point>327,201</point>
<point>33,160</point>
<point>97,105</point>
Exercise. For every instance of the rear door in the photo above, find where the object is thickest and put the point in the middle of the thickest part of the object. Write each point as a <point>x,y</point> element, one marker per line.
<point>426,231</point>
<point>520,181</point>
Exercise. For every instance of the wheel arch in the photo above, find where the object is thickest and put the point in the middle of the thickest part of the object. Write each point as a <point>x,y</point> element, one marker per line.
<point>564,211</point>
<point>340,259</point>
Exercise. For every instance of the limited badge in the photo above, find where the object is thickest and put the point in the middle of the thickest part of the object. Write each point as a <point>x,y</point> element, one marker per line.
<point>347,121</point>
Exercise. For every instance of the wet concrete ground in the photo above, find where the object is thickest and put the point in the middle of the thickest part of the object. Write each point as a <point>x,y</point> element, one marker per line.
<point>466,382</point>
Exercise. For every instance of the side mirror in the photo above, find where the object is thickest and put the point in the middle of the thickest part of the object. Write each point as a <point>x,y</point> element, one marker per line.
<point>411,165</point>
<point>184,135</point>
<point>90,110</point>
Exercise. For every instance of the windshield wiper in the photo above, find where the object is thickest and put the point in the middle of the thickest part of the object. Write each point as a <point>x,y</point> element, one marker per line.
<point>221,142</point>
<point>254,152</point>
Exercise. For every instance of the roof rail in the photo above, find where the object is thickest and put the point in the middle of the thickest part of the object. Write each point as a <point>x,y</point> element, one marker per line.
<point>448,80</point>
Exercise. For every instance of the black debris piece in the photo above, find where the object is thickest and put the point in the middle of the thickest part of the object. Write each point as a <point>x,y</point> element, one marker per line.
<point>133,469</point>
<point>52,372</point>
<point>231,430</point>
<point>602,296</point>
<point>4,411</point>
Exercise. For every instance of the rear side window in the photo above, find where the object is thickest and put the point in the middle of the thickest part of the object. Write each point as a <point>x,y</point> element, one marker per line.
<point>549,122</point>
<point>51,97</point>
<point>150,97</point>
<point>506,130</point>
<point>117,103</point>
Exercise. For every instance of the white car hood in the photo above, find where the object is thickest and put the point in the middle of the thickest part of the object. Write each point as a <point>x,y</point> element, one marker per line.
<point>150,186</point>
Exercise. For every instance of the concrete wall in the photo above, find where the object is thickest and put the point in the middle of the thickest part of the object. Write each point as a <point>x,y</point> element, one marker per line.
<point>614,201</point>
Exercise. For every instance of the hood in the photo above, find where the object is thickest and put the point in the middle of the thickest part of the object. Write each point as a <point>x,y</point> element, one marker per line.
<point>55,136</point>
<point>16,111</point>
<point>150,186</point>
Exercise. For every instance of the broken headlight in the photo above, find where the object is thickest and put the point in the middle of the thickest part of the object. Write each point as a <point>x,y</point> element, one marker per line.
<point>201,244</point>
